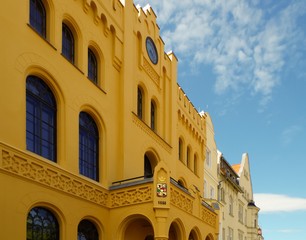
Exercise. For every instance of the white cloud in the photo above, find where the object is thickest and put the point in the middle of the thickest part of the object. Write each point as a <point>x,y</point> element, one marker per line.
<point>289,134</point>
<point>279,203</point>
<point>245,44</point>
<point>289,230</point>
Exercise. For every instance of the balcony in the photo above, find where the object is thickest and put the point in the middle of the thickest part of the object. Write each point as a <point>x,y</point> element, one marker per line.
<point>139,190</point>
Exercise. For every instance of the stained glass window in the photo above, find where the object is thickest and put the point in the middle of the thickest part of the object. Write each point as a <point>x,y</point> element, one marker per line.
<point>87,231</point>
<point>42,225</point>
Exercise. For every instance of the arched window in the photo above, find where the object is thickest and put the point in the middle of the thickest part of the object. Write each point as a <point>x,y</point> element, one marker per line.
<point>188,157</point>
<point>42,225</point>
<point>140,103</point>
<point>88,147</point>
<point>153,115</point>
<point>87,231</point>
<point>38,17</point>
<point>182,184</point>
<point>40,118</point>
<point>67,43</point>
<point>148,172</point>
<point>180,149</point>
<point>92,66</point>
<point>195,164</point>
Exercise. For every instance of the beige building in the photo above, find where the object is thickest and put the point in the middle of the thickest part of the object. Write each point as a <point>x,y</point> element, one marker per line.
<point>97,140</point>
<point>238,213</point>
<point>211,180</point>
<point>229,187</point>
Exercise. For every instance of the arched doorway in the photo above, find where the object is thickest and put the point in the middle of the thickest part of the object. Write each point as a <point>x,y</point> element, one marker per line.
<point>138,229</point>
<point>175,232</point>
<point>209,237</point>
<point>194,235</point>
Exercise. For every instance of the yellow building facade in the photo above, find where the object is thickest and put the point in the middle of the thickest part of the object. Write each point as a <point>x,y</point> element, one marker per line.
<point>97,140</point>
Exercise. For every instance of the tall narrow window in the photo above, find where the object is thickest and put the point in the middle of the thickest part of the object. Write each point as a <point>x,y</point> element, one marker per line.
<point>230,234</point>
<point>67,43</point>
<point>147,167</point>
<point>38,17</point>
<point>42,225</point>
<point>180,149</point>
<point>230,206</point>
<point>88,147</point>
<point>195,164</point>
<point>87,231</point>
<point>205,189</point>
<point>40,118</point>
<point>140,103</point>
<point>153,115</point>
<point>240,213</point>
<point>208,158</point>
<point>188,157</point>
<point>212,192</point>
<point>92,67</point>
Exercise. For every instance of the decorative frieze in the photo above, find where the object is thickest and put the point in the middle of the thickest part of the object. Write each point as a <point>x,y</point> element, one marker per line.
<point>131,196</point>
<point>181,200</point>
<point>13,161</point>
<point>46,174</point>
<point>208,217</point>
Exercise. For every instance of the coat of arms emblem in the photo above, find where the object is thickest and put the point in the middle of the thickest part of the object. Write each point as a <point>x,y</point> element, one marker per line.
<point>161,189</point>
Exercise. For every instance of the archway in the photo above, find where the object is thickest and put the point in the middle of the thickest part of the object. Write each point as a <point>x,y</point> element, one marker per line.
<point>175,232</point>
<point>150,163</point>
<point>194,235</point>
<point>209,237</point>
<point>138,228</point>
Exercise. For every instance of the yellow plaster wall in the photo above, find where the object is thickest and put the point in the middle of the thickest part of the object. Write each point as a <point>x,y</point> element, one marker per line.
<point>116,30</point>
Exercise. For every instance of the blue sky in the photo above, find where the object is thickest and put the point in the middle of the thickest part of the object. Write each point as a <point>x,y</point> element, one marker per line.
<point>244,62</point>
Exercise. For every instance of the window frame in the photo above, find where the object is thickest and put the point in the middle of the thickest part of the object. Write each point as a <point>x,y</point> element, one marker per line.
<point>41,135</point>
<point>195,164</point>
<point>92,66</point>
<point>41,215</point>
<point>38,10</point>
<point>240,213</point>
<point>88,147</point>
<point>208,158</point>
<point>231,205</point>
<point>68,43</point>
<point>188,157</point>
<point>140,103</point>
<point>153,116</point>
<point>148,168</point>
<point>88,229</point>
<point>181,150</point>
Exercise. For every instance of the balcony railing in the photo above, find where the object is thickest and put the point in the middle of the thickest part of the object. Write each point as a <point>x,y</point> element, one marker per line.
<point>130,191</point>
